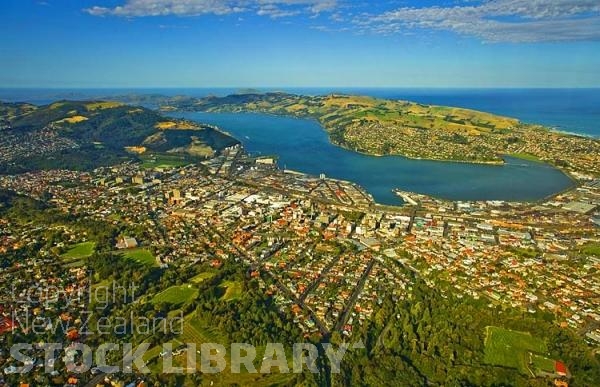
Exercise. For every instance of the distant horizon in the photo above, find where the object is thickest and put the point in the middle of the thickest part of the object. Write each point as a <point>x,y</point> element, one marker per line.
<point>570,109</point>
<point>297,87</point>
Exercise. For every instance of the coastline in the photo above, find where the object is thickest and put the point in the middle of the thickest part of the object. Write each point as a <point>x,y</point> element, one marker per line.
<point>314,119</point>
<point>573,134</point>
<point>574,182</point>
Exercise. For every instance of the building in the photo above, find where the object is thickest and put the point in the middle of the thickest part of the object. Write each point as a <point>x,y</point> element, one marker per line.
<point>6,325</point>
<point>127,243</point>
<point>595,336</point>
<point>371,243</point>
<point>137,180</point>
<point>560,368</point>
<point>580,207</point>
<point>266,161</point>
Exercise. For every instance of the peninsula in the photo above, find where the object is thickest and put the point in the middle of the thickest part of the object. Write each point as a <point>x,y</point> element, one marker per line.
<point>382,127</point>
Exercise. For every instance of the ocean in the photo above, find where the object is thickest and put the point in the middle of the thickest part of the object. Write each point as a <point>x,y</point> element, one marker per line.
<point>569,110</point>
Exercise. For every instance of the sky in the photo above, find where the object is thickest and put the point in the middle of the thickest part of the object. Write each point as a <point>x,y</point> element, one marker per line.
<point>299,43</point>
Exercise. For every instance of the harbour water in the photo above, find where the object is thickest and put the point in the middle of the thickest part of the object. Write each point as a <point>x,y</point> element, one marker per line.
<point>303,145</point>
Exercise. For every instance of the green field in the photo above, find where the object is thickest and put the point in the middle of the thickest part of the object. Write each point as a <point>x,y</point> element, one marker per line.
<point>507,348</point>
<point>142,256</point>
<point>202,277</point>
<point>176,295</point>
<point>525,156</point>
<point>542,363</point>
<point>163,161</point>
<point>591,249</point>
<point>195,331</point>
<point>80,250</point>
<point>233,290</point>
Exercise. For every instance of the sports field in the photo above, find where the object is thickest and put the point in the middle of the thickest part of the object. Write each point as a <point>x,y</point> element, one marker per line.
<point>163,161</point>
<point>507,348</point>
<point>176,295</point>
<point>142,256</point>
<point>80,250</point>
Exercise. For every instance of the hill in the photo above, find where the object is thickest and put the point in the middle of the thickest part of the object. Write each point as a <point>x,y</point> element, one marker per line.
<point>88,134</point>
<point>380,127</point>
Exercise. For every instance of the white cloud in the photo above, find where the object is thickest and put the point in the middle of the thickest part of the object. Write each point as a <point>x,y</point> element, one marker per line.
<point>488,20</point>
<point>272,8</point>
<point>497,21</point>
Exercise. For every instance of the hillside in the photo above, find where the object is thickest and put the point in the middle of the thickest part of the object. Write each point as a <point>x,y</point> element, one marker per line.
<point>85,135</point>
<point>381,127</point>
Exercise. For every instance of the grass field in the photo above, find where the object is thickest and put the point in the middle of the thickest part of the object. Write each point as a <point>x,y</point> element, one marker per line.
<point>507,348</point>
<point>73,120</point>
<point>202,277</point>
<point>591,249</point>
<point>142,256</point>
<point>542,363</point>
<point>195,331</point>
<point>525,156</point>
<point>102,105</point>
<point>80,250</point>
<point>233,290</point>
<point>163,161</point>
<point>176,295</point>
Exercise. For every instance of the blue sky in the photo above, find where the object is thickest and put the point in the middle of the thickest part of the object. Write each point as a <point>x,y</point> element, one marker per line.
<point>299,43</point>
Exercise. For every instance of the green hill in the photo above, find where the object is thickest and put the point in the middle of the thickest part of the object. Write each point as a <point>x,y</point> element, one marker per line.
<point>87,134</point>
<point>380,127</point>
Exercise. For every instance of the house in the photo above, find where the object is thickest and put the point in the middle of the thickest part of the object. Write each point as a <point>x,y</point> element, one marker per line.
<point>580,207</point>
<point>371,243</point>
<point>6,325</point>
<point>127,243</point>
<point>560,368</point>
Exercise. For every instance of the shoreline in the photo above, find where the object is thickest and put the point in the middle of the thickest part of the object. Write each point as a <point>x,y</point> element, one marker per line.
<point>500,162</point>
<point>574,182</point>
<point>573,134</point>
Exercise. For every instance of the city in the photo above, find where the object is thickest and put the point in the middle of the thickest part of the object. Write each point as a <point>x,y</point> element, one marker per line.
<point>322,248</point>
